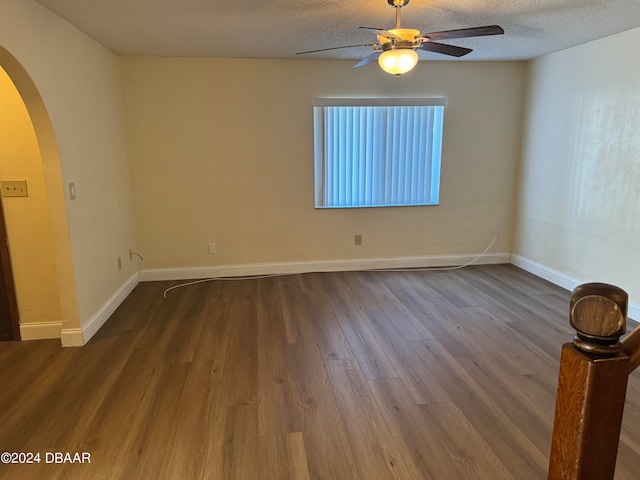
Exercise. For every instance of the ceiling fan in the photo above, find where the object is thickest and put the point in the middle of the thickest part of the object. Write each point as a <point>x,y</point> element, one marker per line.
<point>396,50</point>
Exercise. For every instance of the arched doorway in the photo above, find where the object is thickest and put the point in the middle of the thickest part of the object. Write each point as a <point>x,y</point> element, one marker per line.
<point>37,226</point>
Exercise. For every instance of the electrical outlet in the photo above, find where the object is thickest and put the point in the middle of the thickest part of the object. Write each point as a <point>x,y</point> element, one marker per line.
<point>358,240</point>
<point>495,231</point>
<point>119,262</point>
<point>212,248</point>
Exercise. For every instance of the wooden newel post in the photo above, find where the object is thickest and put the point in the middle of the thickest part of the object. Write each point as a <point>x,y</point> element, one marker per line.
<point>591,387</point>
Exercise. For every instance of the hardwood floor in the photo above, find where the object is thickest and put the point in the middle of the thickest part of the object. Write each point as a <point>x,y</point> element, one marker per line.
<point>421,375</point>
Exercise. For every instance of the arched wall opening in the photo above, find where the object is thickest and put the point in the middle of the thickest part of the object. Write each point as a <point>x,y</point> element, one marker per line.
<point>37,225</point>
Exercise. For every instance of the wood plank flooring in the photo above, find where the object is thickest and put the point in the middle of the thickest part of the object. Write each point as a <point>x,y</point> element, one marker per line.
<point>338,376</point>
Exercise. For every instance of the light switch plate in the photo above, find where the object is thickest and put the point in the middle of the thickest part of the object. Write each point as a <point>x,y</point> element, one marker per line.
<point>14,188</point>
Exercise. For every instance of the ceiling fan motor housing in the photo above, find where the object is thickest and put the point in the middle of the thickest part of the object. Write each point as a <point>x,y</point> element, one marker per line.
<point>398,3</point>
<point>410,39</point>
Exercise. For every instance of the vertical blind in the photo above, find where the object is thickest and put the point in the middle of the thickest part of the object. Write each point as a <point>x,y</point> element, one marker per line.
<point>372,153</point>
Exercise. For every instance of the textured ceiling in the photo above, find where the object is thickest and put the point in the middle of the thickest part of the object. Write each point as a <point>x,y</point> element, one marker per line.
<point>280,28</point>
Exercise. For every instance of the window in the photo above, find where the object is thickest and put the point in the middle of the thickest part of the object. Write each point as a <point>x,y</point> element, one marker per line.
<point>377,152</point>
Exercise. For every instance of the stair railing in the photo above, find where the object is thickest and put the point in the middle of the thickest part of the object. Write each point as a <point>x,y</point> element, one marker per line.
<point>592,385</point>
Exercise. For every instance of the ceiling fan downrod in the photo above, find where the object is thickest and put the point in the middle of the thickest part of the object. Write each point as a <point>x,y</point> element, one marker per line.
<point>398,4</point>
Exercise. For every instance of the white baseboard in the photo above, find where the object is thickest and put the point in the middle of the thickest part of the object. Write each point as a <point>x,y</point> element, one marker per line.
<point>558,278</point>
<point>542,271</point>
<point>317,266</point>
<point>77,337</point>
<point>188,273</point>
<point>40,331</point>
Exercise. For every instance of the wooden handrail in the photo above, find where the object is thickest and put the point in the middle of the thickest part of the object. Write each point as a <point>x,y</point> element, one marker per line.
<point>631,348</point>
<point>592,385</point>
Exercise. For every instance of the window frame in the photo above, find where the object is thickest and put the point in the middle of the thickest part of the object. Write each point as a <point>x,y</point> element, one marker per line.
<point>319,134</point>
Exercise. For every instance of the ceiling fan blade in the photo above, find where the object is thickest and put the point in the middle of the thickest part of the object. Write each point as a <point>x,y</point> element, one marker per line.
<point>368,59</point>
<point>464,33</point>
<point>383,33</point>
<point>337,48</point>
<point>446,49</point>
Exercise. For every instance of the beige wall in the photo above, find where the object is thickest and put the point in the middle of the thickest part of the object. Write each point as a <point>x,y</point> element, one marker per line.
<point>579,211</point>
<point>221,150</point>
<point>78,82</point>
<point>27,218</point>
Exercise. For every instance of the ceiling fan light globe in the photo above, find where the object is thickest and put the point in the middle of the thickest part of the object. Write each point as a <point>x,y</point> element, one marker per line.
<point>398,61</point>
